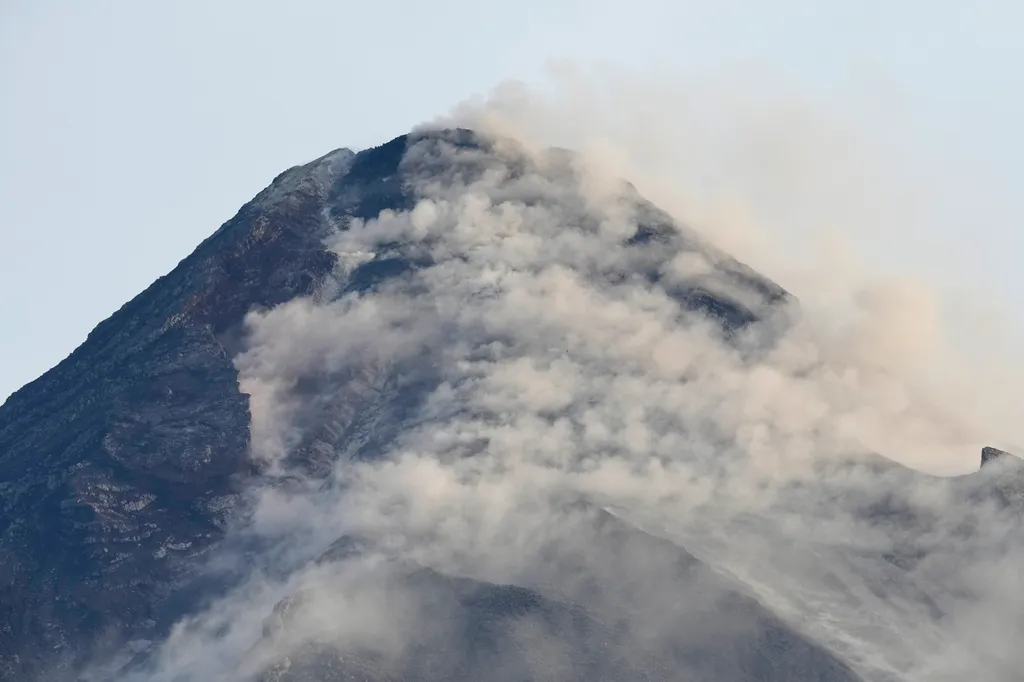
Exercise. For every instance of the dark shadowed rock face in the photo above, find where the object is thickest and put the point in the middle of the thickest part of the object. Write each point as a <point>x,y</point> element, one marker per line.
<point>121,467</point>
<point>991,455</point>
<point>1006,480</point>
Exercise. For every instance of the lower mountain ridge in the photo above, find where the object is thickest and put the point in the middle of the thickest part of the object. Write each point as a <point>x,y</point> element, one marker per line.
<point>446,409</point>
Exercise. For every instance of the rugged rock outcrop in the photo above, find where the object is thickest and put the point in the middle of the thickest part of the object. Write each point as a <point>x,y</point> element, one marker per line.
<point>989,455</point>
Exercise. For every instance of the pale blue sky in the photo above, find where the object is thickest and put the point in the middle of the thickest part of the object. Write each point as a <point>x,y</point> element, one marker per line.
<point>130,130</point>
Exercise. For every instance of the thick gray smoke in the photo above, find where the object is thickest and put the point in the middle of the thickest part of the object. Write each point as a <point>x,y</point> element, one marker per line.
<point>812,197</point>
<point>546,369</point>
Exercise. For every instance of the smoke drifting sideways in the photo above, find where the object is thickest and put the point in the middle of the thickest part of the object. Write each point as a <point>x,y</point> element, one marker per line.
<point>530,362</point>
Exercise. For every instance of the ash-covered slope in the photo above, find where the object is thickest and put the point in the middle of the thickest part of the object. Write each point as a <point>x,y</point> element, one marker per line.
<point>430,345</point>
<point>699,628</point>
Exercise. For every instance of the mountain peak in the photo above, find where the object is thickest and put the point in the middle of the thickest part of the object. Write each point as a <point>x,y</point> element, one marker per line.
<point>991,455</point>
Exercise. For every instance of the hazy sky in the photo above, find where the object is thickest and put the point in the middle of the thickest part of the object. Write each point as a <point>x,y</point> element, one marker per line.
<point>130,131</point>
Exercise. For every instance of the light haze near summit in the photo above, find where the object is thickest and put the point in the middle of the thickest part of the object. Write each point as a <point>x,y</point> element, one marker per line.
<point>131,131</point>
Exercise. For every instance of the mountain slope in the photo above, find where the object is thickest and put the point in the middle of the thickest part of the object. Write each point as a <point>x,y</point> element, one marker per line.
<point>119,463</point>
<point>431,344</point>
<point>485,631</point>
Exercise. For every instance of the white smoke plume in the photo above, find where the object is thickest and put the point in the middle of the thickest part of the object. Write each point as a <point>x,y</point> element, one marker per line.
<point>554,371</point>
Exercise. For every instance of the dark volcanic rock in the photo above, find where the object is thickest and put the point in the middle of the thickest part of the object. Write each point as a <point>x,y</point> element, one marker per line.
<point>1006,480</point>
<point>990,455</point>
<point>122,466</point>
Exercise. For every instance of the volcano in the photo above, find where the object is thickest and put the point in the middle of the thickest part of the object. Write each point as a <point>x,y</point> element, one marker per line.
<point>382,424</point>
